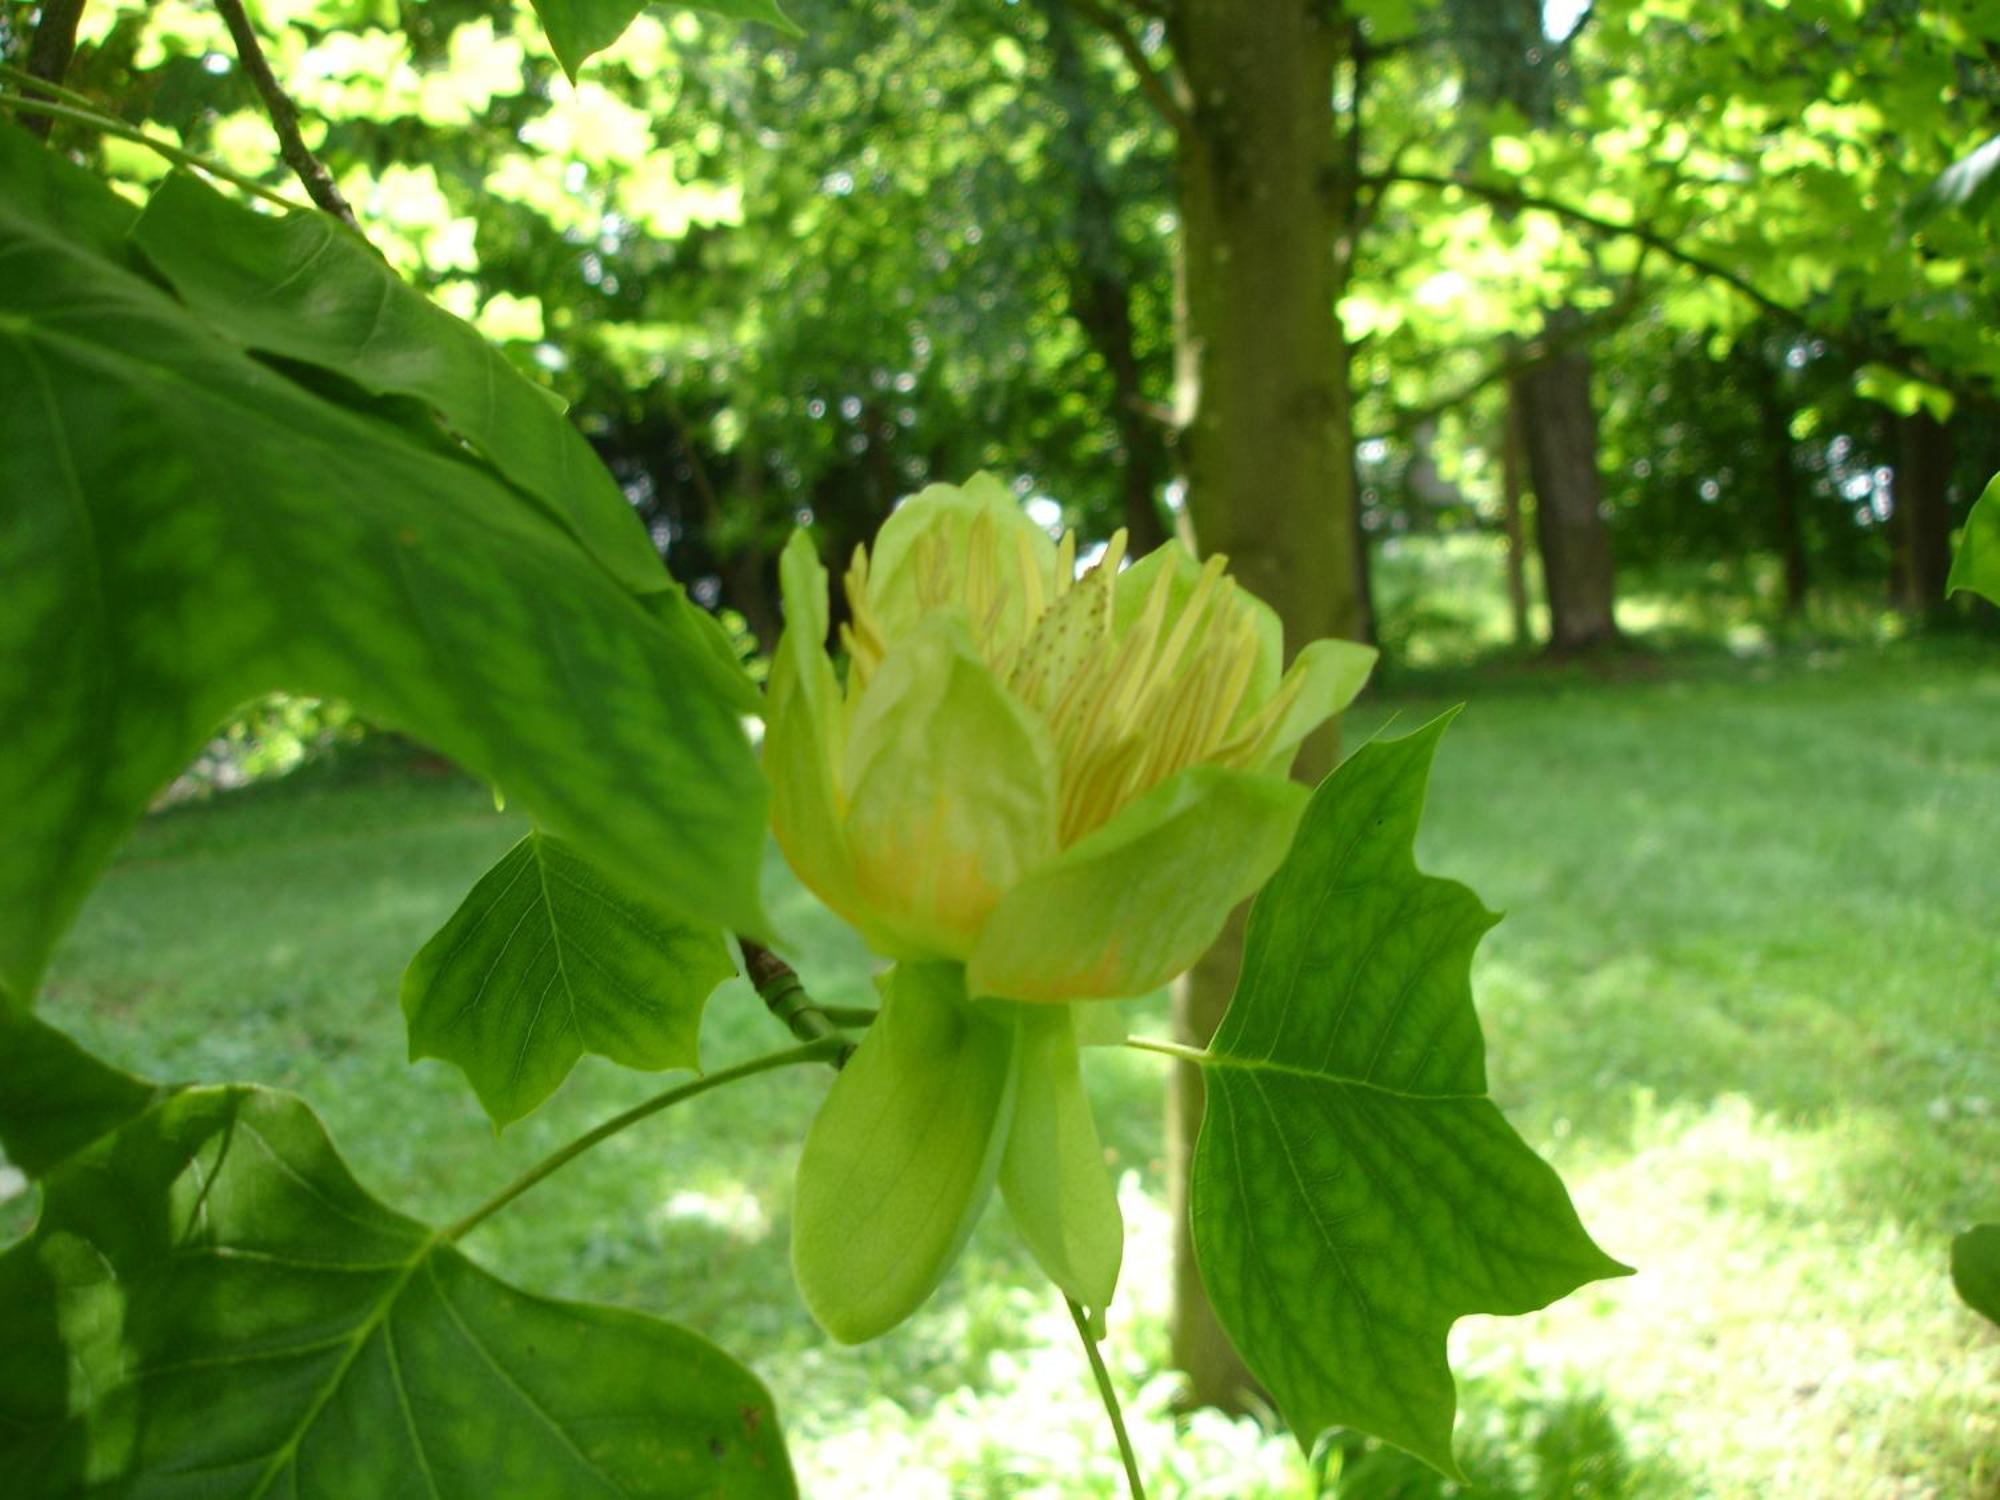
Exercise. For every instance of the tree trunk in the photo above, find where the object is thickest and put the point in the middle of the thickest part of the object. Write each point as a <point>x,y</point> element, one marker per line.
<point>1560,427</point>
<point>1267,448</point>
<point>1788,535</point>
<point>1922,515</point>
<point>1100,296</point>
<point>1364,563</point>
<point>1512,462</point>
<point>748,574</point>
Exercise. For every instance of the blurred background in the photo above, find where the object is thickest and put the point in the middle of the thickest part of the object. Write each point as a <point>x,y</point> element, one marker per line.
<point>1624,370</point>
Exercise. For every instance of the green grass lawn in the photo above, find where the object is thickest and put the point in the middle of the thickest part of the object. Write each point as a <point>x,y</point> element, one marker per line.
<point>1745,998</point>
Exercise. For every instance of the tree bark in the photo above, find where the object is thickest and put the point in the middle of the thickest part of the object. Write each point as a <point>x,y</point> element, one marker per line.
<point>1268,444</point>
<point>1560,427</point>
<point>748,574</point>
<point>1100,297</point>
<point>1922,515</point>
<point>1511,60</point>
<point>1787,490</point>
<point>1512,483</point>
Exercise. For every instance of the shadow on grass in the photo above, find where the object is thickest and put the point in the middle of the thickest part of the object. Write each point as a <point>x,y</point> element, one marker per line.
<point>1524,1446</point>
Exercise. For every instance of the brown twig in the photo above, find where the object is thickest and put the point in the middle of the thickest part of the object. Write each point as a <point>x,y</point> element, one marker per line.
<point>310,170</point>
<point>1892,351</point>
<point>50,53</point>
<point>778,985</point>
<point>1156,83</point>
<point>1530,353</point>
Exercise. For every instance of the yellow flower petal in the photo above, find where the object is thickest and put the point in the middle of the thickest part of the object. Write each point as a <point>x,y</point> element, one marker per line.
<point>949,790</point>
<point>803,738</point>
<point>1135,903</point>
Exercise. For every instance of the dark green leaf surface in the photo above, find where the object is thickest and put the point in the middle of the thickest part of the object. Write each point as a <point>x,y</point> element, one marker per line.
<point>303,286</point>
<point>549,958</point>
<point>55,1098</point>
<point>182,529</point>
<point>1355,1191</point>
<point>1977,565</point>
<point>211,1306</point>
<point>578,28</point>
<point>1975,1269</point>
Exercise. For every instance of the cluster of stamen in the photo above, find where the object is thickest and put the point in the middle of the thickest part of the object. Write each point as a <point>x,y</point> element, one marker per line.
<point>1125,709</point>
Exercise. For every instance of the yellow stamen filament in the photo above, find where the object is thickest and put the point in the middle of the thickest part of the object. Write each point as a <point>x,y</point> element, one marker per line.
<point>1125,710</point>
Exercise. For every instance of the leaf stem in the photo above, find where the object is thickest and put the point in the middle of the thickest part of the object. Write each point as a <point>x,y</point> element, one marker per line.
<point>1167,1049</point>
<point>109,126</point>
<point>823,1050</point>
<point>45,86</point>
<point>1109,1396</point>
<point>784,995</point>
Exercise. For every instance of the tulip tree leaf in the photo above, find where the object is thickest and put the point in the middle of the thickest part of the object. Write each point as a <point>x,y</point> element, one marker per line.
<point>1975,1269</point>
<point>578,28</point>
<point>549,958</point>
<point>305,287</point>
<point>212,1305</point>
<point>55,1098</point>
<point>1355,1190</point>
<point>182,528</point>
<point>1977,565</point>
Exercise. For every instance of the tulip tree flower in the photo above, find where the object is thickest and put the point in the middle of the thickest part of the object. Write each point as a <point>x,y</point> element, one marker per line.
<point>1033,790</point>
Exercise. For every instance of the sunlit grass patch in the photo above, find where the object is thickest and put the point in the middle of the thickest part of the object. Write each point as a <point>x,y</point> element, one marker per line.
<point>1745,997</point>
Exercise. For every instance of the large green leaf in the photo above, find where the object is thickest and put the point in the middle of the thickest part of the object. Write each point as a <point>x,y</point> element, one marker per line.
<point>212,1306</point>
<point>578,28</point>
<point>1975,1269</point>
<point>1977,565</point>
<point>548,958</point>
<point>185,529</point>
<point>304,286</point>
<point>1355,1190</point>
<point>55,1098</point>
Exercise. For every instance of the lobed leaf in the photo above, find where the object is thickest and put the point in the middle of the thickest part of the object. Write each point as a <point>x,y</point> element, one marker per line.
<point>578,28</point>
<point>305,287</point>
<point>1977,565</point>
<point>182,529</point>
<point>1355,1190</point>
<point>55,1098</point>
<point>1975,1269</point>
<point>211,1305</point>
<point>547,958</point>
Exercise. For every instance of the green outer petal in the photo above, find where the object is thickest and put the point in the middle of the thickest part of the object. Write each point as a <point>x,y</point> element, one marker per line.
<point>1053,1177</point>
<point>951,511</point>
<point>1137,901</point>
<point>1333,672</point>
<point>903,1154</point>
<point>1102,1024</point>
<point>802,738</point>
<point>950,792</point>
